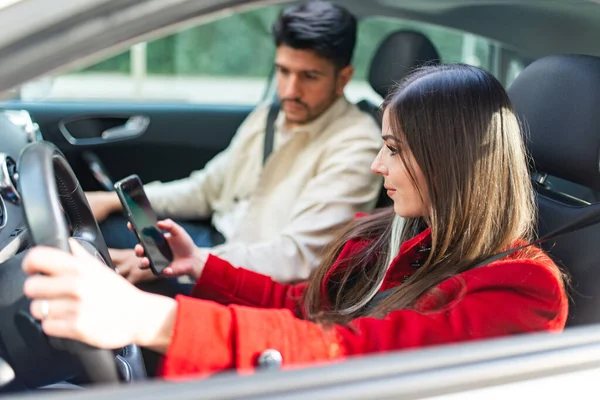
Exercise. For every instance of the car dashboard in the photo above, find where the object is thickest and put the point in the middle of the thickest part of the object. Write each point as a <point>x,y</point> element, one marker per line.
<point>16,131</point>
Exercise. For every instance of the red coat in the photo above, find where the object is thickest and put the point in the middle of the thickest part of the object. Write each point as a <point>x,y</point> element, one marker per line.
<point>508,296</point>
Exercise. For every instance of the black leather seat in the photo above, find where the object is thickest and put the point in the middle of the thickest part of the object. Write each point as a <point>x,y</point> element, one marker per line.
<point>558,97</point>
<point>397,55</point>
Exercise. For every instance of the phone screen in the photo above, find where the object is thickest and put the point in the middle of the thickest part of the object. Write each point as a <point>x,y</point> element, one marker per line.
<point>143,220</point>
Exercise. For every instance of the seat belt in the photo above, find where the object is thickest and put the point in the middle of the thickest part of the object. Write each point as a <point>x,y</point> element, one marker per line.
<point>270,130</point>
<point>216,236</point>
<point>583,222</point>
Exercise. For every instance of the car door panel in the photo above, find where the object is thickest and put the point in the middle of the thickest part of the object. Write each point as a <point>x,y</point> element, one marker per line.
<point>99,129</point>
<point>156,141</point>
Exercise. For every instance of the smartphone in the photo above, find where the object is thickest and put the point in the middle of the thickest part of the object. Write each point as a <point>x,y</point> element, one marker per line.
<point>143,220</point>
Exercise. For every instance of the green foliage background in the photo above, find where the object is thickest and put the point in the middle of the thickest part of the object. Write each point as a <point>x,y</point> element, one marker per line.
<point>241,45</point>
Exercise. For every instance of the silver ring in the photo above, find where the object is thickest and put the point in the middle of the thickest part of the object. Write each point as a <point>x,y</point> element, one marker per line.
<point>44,309</point>
<point>117,270</point>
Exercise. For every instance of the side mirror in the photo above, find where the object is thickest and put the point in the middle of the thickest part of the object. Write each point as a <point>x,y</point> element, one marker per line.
<point>36,90</point>
<point>22,119</point>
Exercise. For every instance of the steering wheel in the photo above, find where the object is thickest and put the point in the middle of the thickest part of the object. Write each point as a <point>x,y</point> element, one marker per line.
<point>48,187</point>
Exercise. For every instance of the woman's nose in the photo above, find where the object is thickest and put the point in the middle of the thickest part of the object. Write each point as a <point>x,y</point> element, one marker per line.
<point>377,167</point>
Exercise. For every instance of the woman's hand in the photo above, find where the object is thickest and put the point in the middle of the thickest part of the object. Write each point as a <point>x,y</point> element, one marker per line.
<point>78,297</point>
<point>188,259</point>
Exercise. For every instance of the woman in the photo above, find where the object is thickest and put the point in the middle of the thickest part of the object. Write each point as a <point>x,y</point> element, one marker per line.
<point>454,164</point>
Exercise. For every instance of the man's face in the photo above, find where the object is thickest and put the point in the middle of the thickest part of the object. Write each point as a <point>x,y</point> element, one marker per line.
<point>307,84</point>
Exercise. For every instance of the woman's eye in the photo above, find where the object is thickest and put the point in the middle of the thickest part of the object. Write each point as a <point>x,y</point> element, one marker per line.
<point>393,150</point>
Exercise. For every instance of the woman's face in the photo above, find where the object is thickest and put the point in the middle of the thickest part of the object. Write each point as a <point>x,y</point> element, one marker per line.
<point>408,202</point>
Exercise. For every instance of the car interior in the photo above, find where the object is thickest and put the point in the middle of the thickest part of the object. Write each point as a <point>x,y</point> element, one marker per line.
<point>39,165</point>
<point>396,56</point>
<point>562,136</point>
<point>42,183</point>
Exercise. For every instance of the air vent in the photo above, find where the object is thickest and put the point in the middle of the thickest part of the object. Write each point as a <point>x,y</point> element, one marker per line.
<point>8,179</point>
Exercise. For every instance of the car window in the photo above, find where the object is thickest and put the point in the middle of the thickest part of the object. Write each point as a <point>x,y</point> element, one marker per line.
<point>453,46</point>
<point>229,59</point>
<point>514,66</point>
<point>226,60</point>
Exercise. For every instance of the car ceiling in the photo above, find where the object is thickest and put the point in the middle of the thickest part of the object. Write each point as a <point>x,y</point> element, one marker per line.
<point>536,27</point>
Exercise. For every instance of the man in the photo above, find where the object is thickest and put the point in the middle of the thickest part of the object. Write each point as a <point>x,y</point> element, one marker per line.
<point>277,217</point>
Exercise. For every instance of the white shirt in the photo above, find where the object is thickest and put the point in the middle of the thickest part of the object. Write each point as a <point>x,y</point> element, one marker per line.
<point>278,219</point>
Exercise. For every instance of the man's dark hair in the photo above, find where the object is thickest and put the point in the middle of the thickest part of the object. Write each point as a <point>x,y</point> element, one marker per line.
<point>327,29</point>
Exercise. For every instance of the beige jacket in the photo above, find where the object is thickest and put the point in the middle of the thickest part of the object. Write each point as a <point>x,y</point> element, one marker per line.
<point>277,220</point>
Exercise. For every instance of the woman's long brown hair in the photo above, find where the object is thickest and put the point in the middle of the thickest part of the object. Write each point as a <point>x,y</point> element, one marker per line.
<point>459,125</point>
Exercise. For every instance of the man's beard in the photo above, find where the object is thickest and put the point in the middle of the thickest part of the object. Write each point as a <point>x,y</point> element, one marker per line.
<point>311,113</point>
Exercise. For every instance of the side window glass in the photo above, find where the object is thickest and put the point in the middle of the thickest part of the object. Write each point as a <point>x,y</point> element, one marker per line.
<point>226,60</point>
<point>453,46</point>
<point>515,66</point>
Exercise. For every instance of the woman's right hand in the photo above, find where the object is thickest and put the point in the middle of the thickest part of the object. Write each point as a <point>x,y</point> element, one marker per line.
<point>188,259</point>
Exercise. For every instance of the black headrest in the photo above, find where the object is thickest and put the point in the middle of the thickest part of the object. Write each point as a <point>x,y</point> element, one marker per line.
<point>558,99</point>
<point>398,54</point>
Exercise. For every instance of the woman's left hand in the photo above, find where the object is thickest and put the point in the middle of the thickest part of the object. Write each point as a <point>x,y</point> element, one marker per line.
<point>78,297</point>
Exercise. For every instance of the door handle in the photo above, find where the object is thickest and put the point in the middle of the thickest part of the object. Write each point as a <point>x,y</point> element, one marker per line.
<point>135,126</point>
